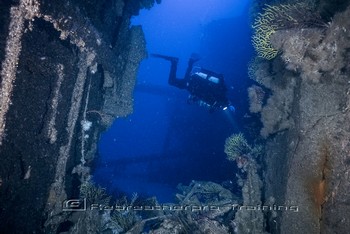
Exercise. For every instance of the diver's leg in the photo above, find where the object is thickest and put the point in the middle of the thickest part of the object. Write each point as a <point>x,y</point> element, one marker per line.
<point>189,69</point>
<point>169,58</point>
<point>173,80</point>
<point>194,58</point>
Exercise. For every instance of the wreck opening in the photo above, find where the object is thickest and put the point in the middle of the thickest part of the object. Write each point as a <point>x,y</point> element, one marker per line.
<point>165,141</point>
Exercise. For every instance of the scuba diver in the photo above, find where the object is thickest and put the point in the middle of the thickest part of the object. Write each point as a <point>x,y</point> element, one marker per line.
<point>206,88</point>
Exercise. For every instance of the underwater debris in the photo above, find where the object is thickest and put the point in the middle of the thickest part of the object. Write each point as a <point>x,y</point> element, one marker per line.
<point>212,210</point>
<point>250,221</point>
<point>204,193</point>
<point>94,194</point>
<point>169,226</point>
<point>123,221</point>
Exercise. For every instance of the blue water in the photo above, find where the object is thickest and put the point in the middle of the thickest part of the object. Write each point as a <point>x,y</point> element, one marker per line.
<point>167,141</point>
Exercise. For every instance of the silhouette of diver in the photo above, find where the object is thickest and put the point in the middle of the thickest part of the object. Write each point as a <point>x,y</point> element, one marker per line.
<point>206,88</point>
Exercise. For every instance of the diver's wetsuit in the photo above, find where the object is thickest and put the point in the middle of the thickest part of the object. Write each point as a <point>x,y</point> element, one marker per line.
<point>202,90</point>
<point>180,83</point>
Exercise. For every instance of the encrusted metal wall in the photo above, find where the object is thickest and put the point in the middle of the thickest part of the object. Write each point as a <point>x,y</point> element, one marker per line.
<point>65,76</point>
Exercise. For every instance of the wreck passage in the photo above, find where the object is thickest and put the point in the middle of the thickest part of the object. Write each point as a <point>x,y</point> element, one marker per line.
<point>279,164</point>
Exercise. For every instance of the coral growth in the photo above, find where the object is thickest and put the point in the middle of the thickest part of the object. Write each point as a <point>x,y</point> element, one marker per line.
<point>276,111</point>
<point>316,52</point>
<point>279,17</point>
<point>235,146</point>
<point>275,116</point>
<point>258,70</point>
<point>256,97</point>
<point>310,101</point>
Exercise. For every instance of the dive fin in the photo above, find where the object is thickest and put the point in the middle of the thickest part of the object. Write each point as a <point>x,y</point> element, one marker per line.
<point>195,57</point>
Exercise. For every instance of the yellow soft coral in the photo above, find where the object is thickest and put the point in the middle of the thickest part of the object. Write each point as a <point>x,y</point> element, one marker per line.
<point>264,28</point>
<point>235,146</point>
<point>274,18</point>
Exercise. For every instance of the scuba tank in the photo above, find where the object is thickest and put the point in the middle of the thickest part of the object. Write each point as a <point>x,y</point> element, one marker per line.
<point>193,99</point>
<point>201,73</point>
